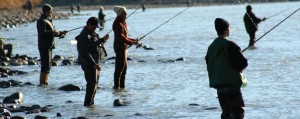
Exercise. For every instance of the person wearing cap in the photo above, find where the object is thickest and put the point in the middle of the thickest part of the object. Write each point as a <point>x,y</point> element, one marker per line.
<point>225,63</point>
<point>46,33</point>
<point>121,43</point>
<point>101,17</point>
<point>91,51</point>
<point>251,24</point>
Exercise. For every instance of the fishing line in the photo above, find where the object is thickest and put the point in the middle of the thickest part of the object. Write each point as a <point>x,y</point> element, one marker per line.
<point>280,12</point>
<point>272,29</point>
<point>132,12</point>
<point>161,25</point>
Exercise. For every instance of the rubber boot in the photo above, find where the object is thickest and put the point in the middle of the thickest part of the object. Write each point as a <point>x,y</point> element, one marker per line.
<point>44,78</point>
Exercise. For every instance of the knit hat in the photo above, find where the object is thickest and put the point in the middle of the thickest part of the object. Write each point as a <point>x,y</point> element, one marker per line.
<point>94,21</point>
<point>46,8</point>
<point>101,8</point>
<point>248,8</point>
<point>119,10</point>
<point>221,25</point>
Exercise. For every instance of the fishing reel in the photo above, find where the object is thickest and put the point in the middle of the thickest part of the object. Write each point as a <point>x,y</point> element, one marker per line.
<point>140,44</point>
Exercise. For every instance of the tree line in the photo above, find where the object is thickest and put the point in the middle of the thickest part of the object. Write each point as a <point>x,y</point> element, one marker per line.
<point>153,2</point>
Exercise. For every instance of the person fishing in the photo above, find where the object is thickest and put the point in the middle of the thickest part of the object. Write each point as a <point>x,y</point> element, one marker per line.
<point>225,63</point>
<point>121,43</point>
<point>251,24</point>
<point>101,17</point>
<point>3,47</point>
<point>91,51</point>
<point>46,33</point>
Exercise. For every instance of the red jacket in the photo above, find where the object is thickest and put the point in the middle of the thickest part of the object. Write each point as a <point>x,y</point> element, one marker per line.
<point>121,41</point>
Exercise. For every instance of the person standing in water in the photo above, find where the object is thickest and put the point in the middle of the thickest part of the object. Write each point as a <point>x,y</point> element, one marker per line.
<point>101,17</point>
<point>251,23</point>
<point>225,63</point>
<point>91,51</point>
<point>121,43</point>
<point>46,34</point>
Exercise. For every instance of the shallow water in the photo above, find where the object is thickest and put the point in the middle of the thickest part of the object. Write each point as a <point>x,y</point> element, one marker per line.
<point>165,90</point>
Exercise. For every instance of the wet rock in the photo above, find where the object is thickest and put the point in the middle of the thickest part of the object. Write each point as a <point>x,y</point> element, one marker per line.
<point>6,114</point>
<point>59,114</point>
<point>167,61</point>
<point>55,63</point>
<point>28,83</point>
<point>17,117</point>
<point>69,87</point>
<point>4,63</point>
<point>194,104</point>
<point>138,114</point>
<point>147,48</point>
<point>108,115</point>
<point>45,109</point>
<point>67,62</point>
<point>4,70</point>
<point>58,57</point>
<point>82,118</point>
<point>16,98</point>
<point>15,83</point>
<point>4,75</point>
<point>2,110</point>
<point>32,62</point>
<point>180,59</point>
<point>111,58</point>
<point>211,108</point>
<point>35,107</point>
<point>5,84</point>
<point>17,110</point>
<point>33,111</point>
<point>119,102</point>
<point>69,101</point>
<point>40,117</point>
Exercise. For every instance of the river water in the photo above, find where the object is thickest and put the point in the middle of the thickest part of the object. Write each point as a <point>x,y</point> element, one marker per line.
<point>157,89</point>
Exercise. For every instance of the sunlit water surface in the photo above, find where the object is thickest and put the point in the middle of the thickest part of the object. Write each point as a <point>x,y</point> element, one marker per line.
<point>164,90</point>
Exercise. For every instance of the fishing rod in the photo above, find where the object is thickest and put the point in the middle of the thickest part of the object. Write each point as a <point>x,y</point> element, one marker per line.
<point>280,12</point>
<point>132,12</point>
<point>271,29</point>
<point>160,25</point>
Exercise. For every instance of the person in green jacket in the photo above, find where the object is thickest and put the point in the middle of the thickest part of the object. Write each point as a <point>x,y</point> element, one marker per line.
<point>225,63</point>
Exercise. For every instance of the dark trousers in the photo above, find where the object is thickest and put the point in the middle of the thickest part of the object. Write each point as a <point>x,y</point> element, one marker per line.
<point>46,56</point>
<point>7,47</point>
<point>92,78</point>
<point>252,38</point>
<point>232,104</point>
<point>120,69</point>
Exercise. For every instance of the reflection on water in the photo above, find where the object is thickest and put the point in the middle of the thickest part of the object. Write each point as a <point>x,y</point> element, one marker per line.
<point>165,90</point>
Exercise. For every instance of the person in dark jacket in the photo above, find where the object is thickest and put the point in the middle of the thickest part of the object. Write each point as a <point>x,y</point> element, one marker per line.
<point>121,43</point>
<point>251,24</point>
<point>90,52</point>
<point>101,17</point>
<point>3,47</point>
<point>225,63</point>
<point>46,34</point>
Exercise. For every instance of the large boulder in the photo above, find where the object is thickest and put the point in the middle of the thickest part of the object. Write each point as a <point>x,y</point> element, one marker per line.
<point>16,98</point>
<point>69,87</point>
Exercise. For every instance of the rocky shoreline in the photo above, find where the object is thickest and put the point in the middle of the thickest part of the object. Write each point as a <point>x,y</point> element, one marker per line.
<point>14,17</point>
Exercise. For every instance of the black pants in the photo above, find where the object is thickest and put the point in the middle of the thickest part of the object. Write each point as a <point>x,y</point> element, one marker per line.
<point>92,78</point>
<point>46,56</point>
<point>120,69</point>
<point>252,38</point>
<point>232,105</point>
